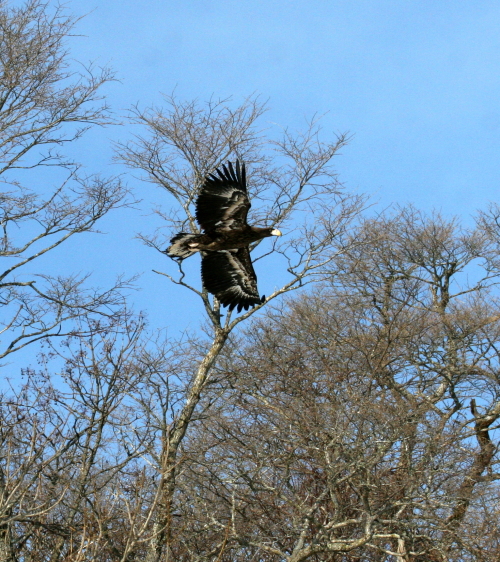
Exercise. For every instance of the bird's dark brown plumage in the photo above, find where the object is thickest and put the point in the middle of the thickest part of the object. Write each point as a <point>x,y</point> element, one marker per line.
<point>221,210</point>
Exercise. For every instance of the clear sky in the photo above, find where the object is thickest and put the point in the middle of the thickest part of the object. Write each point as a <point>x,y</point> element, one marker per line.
<point>417,84</point>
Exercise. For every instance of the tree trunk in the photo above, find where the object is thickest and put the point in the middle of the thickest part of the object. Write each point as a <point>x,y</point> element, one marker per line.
<point>160,545</point>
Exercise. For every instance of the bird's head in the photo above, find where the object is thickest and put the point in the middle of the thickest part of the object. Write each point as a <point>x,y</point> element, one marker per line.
<point>276,232</point>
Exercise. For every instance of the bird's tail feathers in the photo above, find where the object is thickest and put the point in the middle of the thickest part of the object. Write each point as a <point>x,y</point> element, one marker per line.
<point>182,245</point>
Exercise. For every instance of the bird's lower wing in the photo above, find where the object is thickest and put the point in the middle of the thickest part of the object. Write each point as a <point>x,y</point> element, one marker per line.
<point>229,275</point>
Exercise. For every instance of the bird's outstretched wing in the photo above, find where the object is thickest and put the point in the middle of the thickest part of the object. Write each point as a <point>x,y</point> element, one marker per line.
<point>229,275</point>
<point>223,201</point>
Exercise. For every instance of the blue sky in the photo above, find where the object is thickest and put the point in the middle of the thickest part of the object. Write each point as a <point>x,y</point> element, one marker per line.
<point>417,84</point>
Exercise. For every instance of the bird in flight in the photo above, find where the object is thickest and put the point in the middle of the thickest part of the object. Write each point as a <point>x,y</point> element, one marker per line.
<point>221,211</point>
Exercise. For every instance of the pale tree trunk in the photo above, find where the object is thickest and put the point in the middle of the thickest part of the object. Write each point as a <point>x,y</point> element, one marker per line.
<point>160,545</point>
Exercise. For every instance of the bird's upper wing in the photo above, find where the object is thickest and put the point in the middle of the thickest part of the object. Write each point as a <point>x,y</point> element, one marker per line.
<point>223,201</point>
<point>229,275</point>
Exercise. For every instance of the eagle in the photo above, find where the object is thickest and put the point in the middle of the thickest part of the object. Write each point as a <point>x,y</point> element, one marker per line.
<point>221,211</point>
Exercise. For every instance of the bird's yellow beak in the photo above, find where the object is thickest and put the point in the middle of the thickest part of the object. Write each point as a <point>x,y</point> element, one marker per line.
<point>276,232</point>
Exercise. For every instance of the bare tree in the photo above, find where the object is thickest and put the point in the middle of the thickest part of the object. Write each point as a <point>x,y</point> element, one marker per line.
<point>296,189</point>
<point>44,105</point>
<point>356,422</point>
<point>360,420</point>
<point>65,464</point>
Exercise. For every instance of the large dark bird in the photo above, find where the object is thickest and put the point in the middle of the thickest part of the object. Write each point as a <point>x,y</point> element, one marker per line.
<point>226,267</point>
